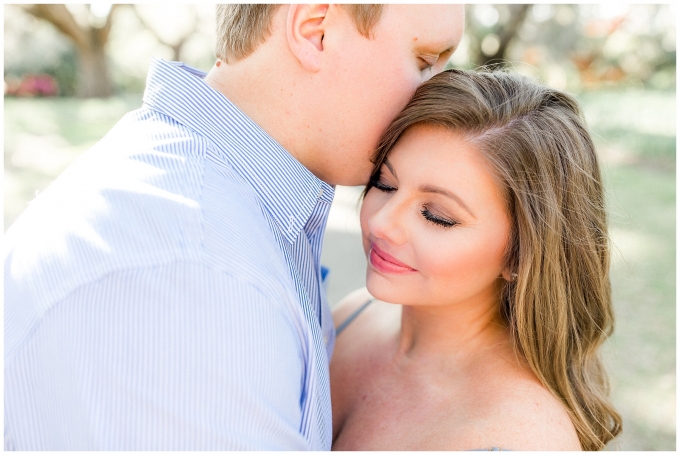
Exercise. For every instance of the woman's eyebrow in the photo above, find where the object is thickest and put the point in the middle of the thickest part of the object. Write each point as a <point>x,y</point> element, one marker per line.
<point>389,166</point>
<point>447,193</point>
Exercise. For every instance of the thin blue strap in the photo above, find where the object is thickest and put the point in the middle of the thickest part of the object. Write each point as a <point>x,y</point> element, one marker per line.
<point>352,316</point>
<point>492,449</point>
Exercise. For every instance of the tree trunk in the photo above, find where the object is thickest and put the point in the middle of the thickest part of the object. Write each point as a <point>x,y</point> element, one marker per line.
<point>90,42</point>
<point>93,74</point>
<point>518,14</point>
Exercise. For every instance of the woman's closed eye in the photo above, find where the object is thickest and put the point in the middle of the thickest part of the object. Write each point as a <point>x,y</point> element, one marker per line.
<point>384,187</point>
<point>437,219</point>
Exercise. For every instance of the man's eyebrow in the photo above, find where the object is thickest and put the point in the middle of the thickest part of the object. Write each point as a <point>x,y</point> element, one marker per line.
<point>447,193</point>
<point>450,49</point>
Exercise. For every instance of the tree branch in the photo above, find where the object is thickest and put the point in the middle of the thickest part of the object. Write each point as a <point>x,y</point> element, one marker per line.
<point>177,47</point>
<point>518,14</point>
<point>150,28</point>
<point>61,18</point>
<point>106,29</point>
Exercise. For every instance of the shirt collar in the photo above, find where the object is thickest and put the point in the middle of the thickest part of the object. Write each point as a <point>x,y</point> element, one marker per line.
<point>288,190</point>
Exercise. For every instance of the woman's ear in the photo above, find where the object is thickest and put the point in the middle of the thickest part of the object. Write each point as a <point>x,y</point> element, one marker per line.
<point>305,28</point>
<point>508,275</point>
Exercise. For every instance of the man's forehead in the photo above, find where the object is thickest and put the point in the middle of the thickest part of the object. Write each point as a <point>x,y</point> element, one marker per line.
<point>427,14</point>
<point>446,45</point>
<point>437,26</point>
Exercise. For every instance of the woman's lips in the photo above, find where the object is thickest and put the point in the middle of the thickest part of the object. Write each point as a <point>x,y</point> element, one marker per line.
<point>383,262</point>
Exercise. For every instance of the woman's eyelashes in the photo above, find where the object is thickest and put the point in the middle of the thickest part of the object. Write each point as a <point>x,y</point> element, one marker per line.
<point>437,219</point>
<point>443,221</point>
<point>377,183</point>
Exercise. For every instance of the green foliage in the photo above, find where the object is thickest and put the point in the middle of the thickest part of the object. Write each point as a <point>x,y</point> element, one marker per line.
<point>577,46</point>
<point>34,47</point>
<point>627,124</point>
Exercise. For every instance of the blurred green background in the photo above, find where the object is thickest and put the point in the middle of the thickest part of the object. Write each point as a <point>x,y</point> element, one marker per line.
<point>72,71</point>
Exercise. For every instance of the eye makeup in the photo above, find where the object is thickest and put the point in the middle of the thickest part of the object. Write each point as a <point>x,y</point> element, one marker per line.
<point>382,187</point>
<point>437,219</point>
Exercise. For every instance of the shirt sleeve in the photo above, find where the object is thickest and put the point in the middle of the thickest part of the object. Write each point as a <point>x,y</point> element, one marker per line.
<point>173,357</point>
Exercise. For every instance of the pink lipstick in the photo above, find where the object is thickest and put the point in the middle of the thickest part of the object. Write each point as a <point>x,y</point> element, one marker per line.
<point>385,263</point>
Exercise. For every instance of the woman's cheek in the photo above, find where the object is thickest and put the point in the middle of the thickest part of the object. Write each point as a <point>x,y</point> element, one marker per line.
<point>448,259</point>
<point>433,252</point>
<point>367,210</point>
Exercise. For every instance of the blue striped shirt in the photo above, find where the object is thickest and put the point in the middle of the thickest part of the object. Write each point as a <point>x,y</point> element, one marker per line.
<point>165,291</point>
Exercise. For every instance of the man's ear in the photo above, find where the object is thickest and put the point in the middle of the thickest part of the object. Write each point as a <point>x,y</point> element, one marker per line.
<point>305,29</point>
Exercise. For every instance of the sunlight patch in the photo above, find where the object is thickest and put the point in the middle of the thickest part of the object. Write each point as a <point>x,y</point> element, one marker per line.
<point>629,246</point>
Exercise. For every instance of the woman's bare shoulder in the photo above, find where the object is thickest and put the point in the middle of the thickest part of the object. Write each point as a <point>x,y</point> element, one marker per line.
<point>349,304</point>
<point>354,347</point>
<point>348,350</point>
<point>365,317</point>
<point>521,414</point>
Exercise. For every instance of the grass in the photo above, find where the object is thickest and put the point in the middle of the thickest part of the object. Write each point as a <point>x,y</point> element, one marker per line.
<point>44,135</point>
<point>635,135</point>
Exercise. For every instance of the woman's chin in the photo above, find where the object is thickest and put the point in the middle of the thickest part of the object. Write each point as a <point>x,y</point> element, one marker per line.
<point>384,290</point>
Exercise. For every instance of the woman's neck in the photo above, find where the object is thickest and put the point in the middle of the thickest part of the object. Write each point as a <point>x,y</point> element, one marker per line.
<point>456,334</point>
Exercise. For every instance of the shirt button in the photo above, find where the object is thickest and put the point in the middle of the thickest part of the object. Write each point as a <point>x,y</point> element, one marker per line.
<point>320,192</point>
<point>325,339</point>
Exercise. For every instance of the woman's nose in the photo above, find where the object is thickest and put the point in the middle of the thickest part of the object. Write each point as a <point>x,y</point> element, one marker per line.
<point>389,222</point>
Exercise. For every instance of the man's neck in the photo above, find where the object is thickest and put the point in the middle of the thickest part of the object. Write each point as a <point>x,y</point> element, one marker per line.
<point>267,98</point>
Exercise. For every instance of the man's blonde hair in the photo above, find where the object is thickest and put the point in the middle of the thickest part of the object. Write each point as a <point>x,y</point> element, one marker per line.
<point>242,28</point>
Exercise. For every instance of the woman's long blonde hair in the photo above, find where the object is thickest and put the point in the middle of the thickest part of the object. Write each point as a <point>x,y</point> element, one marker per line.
<point>559,307</point>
